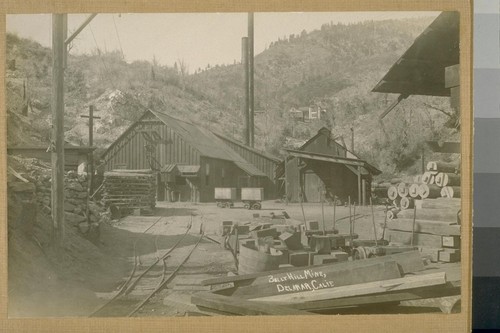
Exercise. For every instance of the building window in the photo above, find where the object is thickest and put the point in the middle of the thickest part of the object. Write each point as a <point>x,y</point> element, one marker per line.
<point>207,174</point>
<point>223,174</point>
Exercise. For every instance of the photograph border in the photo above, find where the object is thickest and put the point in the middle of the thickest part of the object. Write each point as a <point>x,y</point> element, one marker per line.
<point>458,322</point>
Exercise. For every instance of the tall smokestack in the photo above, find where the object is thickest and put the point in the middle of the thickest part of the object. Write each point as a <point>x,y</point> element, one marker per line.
<point>246,111</point>
<point>250,78</point>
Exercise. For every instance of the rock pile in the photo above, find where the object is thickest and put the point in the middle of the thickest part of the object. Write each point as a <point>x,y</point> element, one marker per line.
<point>77,209</point>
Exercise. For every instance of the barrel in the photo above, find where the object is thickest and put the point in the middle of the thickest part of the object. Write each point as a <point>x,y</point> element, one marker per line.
<point>251,260</point>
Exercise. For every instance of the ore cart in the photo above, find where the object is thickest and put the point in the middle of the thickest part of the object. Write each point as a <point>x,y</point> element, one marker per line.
<point>225,196</point>
<point>252,197</point>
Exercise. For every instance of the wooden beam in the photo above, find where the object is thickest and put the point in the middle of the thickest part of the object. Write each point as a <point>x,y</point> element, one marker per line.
<point>326,158</point>
<point>449,289</point>
<point>404,283</point>
<point>304,279</point>
<point>408,262</point>
<point>79,29</point>
<point>425,226</point>
<point>359,185</point>
<point>57,141</point>
<point>239,306</point>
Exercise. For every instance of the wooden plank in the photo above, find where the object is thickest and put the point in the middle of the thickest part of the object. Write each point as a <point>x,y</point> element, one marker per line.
<point>238,306</point>
<point>445,215</point>
<point>322,293</point>
<point>449,255</point>
<point>287,283</point>
<point>448,289</point>
<point>403,237</point>
<point>425,227</point>
<point>408,262</point>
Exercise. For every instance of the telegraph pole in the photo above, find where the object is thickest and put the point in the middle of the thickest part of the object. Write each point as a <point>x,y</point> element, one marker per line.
<point>60,41</point>
<point>59,29</point>
<point>90,158</point>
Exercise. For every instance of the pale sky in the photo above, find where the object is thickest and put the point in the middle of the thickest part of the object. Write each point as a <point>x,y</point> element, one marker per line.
<point>198,39</point>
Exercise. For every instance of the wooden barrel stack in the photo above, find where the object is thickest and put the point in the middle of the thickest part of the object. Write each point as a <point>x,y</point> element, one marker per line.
<point>130,189</point>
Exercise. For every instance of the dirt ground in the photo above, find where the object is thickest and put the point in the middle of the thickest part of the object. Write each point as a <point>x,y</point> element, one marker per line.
<point>42,283</point>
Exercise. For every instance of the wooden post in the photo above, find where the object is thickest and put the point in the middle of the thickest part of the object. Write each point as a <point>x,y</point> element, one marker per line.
<point>373,221</point>
<point>363,192</point>
<point>359,185</point>
<point>90,157</point>
<point>413,224</point>
<point>322,211</point>
<point>286,181</point>
<point>57,104</point>
<point>334,208</point>
<point>246,112</point>
<point>250,77</point>
<point>423,161</point>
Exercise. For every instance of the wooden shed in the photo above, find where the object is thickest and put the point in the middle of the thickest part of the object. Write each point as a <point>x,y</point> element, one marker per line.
<point>430,66</point>
<point>322,169</point>
<point>190,160</point>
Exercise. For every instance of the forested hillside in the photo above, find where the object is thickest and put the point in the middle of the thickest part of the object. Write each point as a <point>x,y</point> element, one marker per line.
<point>334,68</point>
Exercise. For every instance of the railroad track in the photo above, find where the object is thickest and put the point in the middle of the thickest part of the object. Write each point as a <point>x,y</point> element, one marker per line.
<point>143,283</point>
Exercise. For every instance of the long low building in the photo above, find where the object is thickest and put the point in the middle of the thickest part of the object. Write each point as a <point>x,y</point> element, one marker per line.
<point>191,161</point>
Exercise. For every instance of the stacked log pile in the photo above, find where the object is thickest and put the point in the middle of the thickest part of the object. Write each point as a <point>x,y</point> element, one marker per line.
<point>129,189</point>
<point>440,180</point>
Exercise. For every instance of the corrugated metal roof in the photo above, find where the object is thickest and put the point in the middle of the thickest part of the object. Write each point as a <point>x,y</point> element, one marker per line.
<point>207,143</point>
<point>420,70</point>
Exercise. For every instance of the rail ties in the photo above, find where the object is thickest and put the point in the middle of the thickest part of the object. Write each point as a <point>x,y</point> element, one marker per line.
<point>125,303</point>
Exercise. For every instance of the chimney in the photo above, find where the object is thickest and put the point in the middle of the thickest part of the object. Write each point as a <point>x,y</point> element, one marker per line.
<point>246,113</point>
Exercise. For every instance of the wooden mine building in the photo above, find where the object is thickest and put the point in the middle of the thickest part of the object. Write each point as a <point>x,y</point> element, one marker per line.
<point>191,161</point>
<point>322,165</point>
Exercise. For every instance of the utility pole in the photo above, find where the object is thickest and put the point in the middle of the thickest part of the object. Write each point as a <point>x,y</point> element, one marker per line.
<point>60,42</point>
<point>58,49</point>
<point>251,77</point>
<point>90,157</point>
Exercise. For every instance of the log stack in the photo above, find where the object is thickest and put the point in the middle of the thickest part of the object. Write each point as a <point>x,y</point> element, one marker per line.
<point>130,189</point>
<point>440,180</point>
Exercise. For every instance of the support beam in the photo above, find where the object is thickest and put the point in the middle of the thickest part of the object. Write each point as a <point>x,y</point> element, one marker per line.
<point>359,185</point>
<point>80,28</point>
<point>57,144</point>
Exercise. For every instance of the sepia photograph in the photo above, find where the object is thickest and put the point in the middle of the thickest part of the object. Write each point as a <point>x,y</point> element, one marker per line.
<point>234,164</point>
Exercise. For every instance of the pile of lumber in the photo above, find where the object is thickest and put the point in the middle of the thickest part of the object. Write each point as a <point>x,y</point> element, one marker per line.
<point>386,279</point>
<point>433,226</point>
<point>129,189</point>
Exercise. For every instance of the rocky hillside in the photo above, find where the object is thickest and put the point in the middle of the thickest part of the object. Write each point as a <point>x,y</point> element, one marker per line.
<point>334,68</point>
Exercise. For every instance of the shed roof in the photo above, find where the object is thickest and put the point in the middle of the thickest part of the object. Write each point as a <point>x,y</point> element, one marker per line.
<point>203,140</point>
<point>254,150</point>
<point>335,159</point>
<point>420,70</point>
